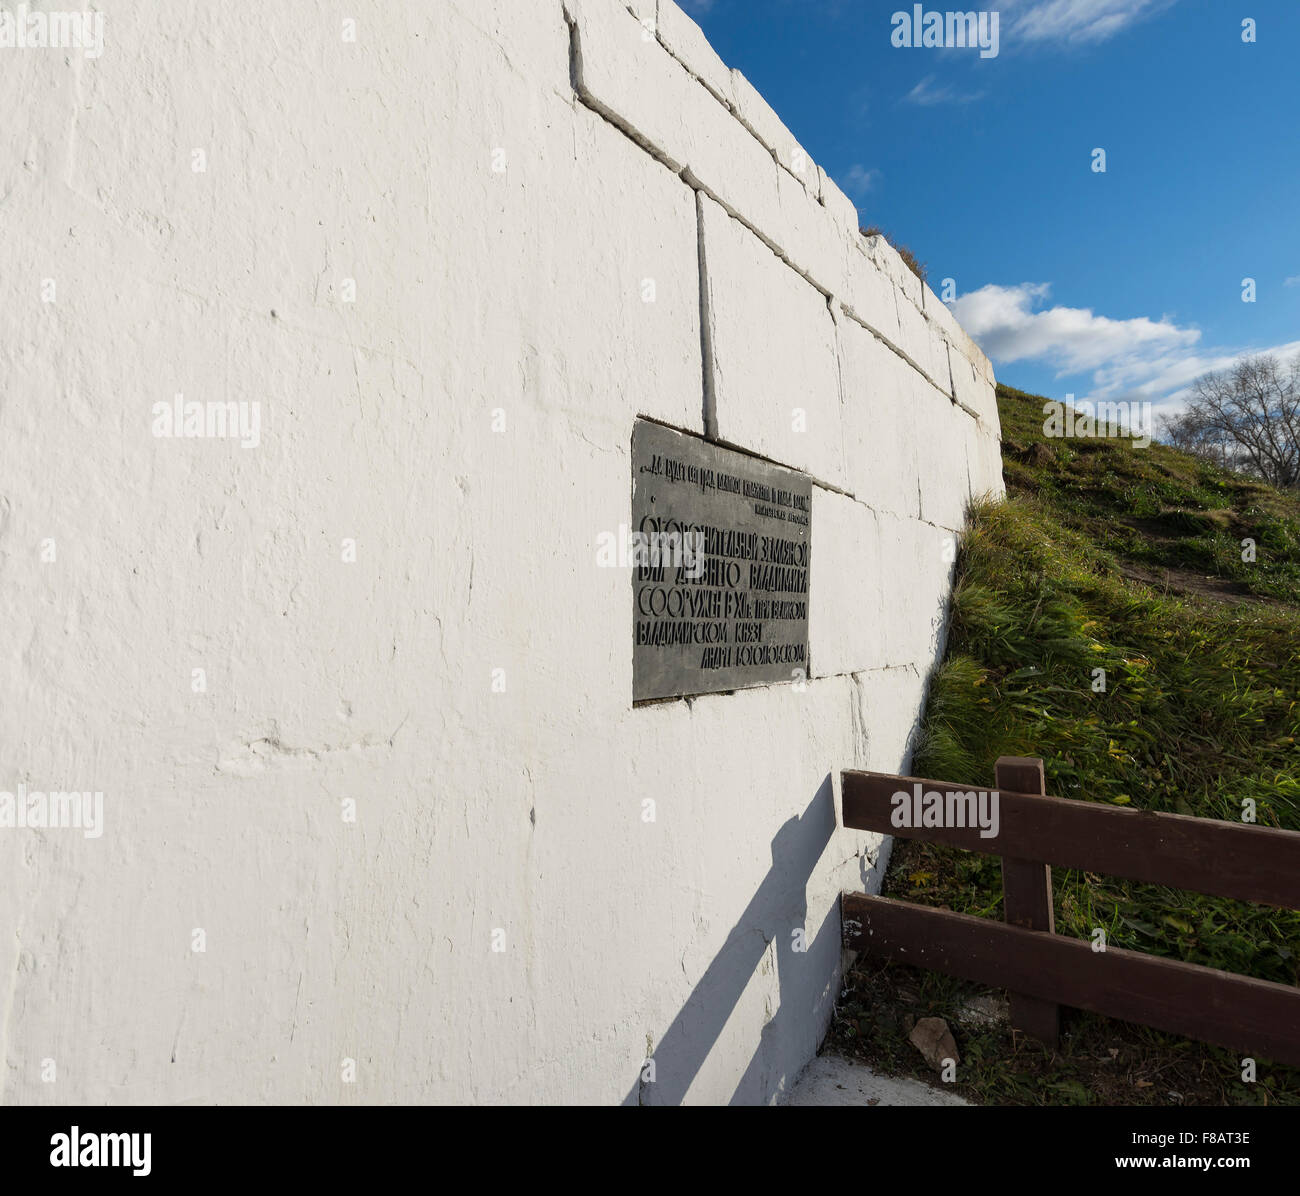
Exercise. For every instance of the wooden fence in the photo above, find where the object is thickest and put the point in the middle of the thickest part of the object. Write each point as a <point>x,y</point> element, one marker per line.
<point>1043,970</point>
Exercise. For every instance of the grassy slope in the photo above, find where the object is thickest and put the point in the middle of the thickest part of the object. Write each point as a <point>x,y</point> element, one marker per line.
<point>1128,560</point>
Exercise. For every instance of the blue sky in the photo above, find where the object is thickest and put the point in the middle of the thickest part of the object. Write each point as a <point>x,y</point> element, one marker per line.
<point>1123,284</point>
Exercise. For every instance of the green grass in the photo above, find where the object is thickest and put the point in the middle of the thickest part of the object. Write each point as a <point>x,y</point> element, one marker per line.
<point>1106,556</point>
<point>1154,507</point>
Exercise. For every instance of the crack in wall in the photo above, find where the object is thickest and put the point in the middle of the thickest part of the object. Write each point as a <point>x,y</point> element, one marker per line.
<point>708,363</point>
<point>257,755</point>
<point>6,1015</point>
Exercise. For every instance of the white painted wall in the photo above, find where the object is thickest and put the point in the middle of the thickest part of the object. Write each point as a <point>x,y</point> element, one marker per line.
<point>480,294</point>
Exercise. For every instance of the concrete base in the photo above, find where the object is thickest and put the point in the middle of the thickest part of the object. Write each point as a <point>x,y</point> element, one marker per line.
<point>835,1080</point>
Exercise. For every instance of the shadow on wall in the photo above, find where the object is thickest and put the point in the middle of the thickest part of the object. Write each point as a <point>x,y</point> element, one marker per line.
<point>777,907</point>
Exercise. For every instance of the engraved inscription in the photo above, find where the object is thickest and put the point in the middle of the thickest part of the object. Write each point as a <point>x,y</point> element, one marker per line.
<point>722,601</point>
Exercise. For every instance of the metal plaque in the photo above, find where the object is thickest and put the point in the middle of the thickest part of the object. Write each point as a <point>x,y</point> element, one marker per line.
<point>720,545</point>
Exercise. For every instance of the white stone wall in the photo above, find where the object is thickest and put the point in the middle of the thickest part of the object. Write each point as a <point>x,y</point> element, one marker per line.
<point>498,179</point>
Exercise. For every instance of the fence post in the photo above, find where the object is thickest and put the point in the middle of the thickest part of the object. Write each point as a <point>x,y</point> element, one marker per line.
<point>1027,900</point>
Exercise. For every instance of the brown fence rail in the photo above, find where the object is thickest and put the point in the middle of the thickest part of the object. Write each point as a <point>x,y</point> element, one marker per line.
<point>1043,970</point>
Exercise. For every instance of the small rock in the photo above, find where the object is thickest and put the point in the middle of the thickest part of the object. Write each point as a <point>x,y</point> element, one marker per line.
<point>934,1040</point>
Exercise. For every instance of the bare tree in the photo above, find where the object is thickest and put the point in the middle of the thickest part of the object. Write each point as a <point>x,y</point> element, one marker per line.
<point>1246,417</point>
<point>1190,432</point>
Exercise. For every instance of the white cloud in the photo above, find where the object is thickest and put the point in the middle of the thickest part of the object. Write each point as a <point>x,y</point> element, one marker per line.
<point>1293,281</point>
<point>1165,380</point>
<point>1073,339</point>
<point>1136,358</point>
<point>859,180</point>
<point>927,94</point>
<point>1074,22</point>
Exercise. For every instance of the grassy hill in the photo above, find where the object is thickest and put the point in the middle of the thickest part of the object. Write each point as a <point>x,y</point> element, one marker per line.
<point>1130,560</point>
